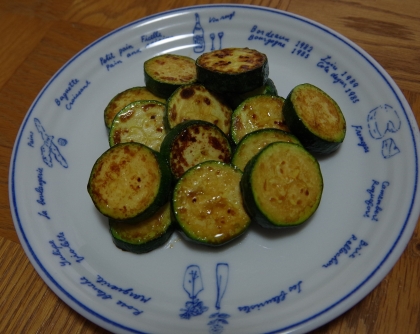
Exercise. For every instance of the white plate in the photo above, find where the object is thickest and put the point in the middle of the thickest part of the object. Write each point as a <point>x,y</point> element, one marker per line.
<point>293,280</point>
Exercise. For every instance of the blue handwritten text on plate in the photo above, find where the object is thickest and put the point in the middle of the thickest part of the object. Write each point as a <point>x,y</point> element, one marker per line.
<point>268,37</point>
<point>277,299</point>
<point>348,249</point>
<point>376,193</point>
<point>76,88</point>
<point>341,78</point>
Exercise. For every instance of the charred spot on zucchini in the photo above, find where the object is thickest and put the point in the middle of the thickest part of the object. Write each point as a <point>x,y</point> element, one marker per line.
<point>257,112</point>
<point>255,141</point>
<point>129,182</point>
<point>196,102</point>
<point>208,206</point>
<point>269,88</point>
<point>140,121</point>
<point>165,73</point>
<point>193,142</point>
<point>282,185</point>
<point>124,98</point>
<point>315,118</point>
<point>143,236</point>
<point>232,70</point>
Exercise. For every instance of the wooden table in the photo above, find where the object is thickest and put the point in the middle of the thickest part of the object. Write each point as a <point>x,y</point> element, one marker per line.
<point>38,37</point>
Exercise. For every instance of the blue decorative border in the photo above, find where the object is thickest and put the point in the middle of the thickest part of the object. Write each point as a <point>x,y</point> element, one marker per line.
<point>264,9</point>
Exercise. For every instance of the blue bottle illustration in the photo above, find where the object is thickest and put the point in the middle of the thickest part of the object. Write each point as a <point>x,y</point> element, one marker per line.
<point>218,319</point>
<point>198,36</point>
<point>193,285</point>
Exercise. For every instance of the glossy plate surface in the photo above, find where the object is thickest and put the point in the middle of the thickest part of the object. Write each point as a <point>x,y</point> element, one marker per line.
<point>267,281</point>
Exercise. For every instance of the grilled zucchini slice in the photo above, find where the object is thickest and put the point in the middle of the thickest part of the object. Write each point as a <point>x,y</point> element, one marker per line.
<point>140,121</point>
<point>193,142</point>
<point>208,206</point>
<point>255,141</point>
<point>282,185</point>
<point>143,236</point>
<point>129,182</point>
<point>269,88</point>
<point>232,70</point>
<point>196,102</point>
<point>315,118</point>
<point>124,98</point>
<point>257,112</point>
<point>165,73</point>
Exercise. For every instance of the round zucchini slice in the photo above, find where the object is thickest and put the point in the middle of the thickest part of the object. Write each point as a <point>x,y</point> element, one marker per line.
<point>257,112</point>
<point>140,121</point>
<point>255,141</point>
<point>195,101</point>
<point>232,70</point>
<point>119,101</point>
<point>193,142</point>
<point>129,182</point>
<point>282,185</point>
<point>165,73</point>
<point>315,118</point>
<point>143,236</point>
<point>208,206</point>
<point>269,88</point>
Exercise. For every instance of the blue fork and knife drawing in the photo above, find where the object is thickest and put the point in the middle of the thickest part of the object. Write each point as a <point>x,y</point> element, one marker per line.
<point>193,285</point>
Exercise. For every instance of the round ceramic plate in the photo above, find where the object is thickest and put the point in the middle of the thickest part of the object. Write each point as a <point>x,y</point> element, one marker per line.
<point>266,281</point>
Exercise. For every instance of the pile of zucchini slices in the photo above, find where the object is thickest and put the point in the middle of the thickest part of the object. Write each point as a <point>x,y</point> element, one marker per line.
<point>208,146</point>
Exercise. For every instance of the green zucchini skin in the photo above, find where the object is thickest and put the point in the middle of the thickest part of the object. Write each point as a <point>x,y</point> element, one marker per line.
<point>192,142</point>
<point>269,88</point>
<point>118,170</point>
<point>271,202</point>
<point>140,121</point>
<point>213,70</point>
<point>195,101</point>
<point>146,235</point>
<point>255,113</point>
<point>207,204</point>
<point>323,141</point>
<point>124,98</point>
<point>163,74</point>
<point>255,141</point>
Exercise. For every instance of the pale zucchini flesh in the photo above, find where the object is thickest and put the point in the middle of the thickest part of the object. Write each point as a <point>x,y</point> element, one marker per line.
<point>196,102</point>
<point>255,141</point>
<point>165,73</point>
<point>232,70</point>
<point>143,236</point>
<point>193,142</point>
<point>257,112</point>
<point>208,206</point>
<point>124,98</point>
<point>129,182</point>
<point>140,121</point>
<point>315,118</point>
<point>282,185</point>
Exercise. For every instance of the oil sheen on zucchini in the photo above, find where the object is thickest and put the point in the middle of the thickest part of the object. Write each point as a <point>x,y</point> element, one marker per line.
<point>232,70</point>
<point>140,121</point>
<point>315,118</point>
<point>129,182</point>
<point>257,112</point>
<point>208,206</point>
<point>255,141</point>
<point>282,185</point>
<point>143,236</point>
<point>269,88</point>
<point>165,73</point>
<point>196,102</point>
<point>193,142</point>
<point>122,99</point>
